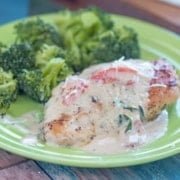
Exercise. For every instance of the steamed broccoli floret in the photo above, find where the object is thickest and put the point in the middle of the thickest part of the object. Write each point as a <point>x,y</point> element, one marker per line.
<point>78,28</point>
<point>109,46</point>
<point>103,16</point>
<point>90,37</point>
<point>46,53</point>
<point>32,84</point>
<point>73,57</point>
<point>37,32</point>
<point>17,57</point>
<point>129,43</point>
<point>39,83</point>
<point>8,90</point>
<point>114,44</point>
<point>83,24</point>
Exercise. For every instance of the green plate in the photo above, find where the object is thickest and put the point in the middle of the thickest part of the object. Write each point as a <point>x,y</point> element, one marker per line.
<point>154,42</point>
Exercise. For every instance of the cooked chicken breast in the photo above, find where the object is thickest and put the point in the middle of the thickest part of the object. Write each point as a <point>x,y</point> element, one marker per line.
<point>107,99</point>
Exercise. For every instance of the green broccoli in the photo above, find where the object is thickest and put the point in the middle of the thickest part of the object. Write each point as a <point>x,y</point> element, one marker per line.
<point>90,37</point>
<point>78,28</point>
<point>109,46</point>
<point>129,43</point>
<point>108,42</point>
<point>114,44</point>
<point>83,24</point>
<point>104,17</point>
<point>39,83</point>
<point>73,57</point>
<point>17,57</point>
<point>8,90</point>
<point>46,53</point>
<point>37,32</point>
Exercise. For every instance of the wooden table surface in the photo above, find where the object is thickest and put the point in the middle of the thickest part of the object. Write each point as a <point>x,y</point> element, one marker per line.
<point>19,168</point>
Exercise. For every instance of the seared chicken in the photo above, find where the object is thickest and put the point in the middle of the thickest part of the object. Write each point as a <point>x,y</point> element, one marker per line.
<point>107,99</point>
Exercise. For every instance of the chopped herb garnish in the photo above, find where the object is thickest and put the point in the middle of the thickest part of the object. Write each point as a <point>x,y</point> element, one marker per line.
<point>129,126</point>
<point>124,118</point>
<point>120,103</point>
<point>94,99</point>
<point>130,108</point>
<point>141,113</point>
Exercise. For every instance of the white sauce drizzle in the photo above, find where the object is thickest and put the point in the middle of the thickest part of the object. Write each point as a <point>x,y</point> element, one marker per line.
<point>130,141</point>
<point>29,124</point>
<point>142,134</point>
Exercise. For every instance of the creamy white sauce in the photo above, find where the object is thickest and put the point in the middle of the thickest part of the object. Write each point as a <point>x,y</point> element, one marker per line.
<point>142,134</point>
<point>29,124</point>
<point>132,140</point>
<point>31,140</point>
